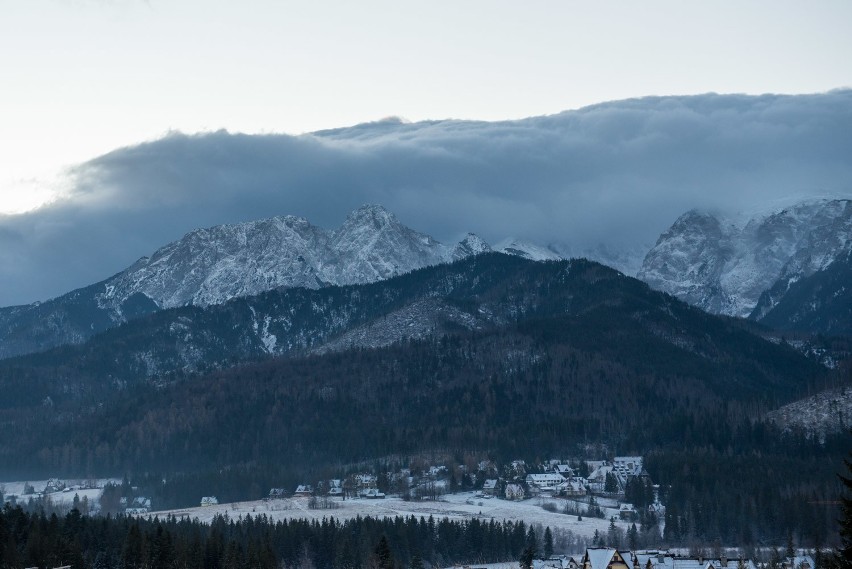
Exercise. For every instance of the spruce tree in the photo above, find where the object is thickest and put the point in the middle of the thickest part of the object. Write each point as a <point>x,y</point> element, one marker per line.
<point>382,556</point>
<point>843,557</point>
<point>530,550</point>
<point>548,543</point>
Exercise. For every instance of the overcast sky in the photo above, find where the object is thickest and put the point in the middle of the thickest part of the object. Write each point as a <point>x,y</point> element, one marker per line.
<point>84,77</point>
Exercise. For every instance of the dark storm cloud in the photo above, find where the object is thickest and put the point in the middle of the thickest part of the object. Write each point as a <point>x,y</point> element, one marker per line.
<point>617,173</point>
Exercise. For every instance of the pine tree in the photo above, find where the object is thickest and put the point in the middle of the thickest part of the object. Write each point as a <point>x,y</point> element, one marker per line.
<point>548,543</point>
<point>611,484</point>
<point>131,555</point>
<point>526,560</point>
<point>382,556</point>
<point>530,550</point>
<point>416,562</point>
<point>633,537</point>
<point>843,557</point>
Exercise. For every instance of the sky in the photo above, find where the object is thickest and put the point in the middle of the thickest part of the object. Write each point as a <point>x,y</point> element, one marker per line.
<point>82,77</point>
<point>111,118</point>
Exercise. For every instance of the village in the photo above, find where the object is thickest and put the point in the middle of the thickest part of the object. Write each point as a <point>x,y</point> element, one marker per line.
<point>600,485</point>
<point>611,558</point>
<point>613,480</point>
<point>594,512</point>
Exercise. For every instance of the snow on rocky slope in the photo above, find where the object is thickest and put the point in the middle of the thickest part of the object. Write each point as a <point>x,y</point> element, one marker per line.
<point>827,412</point>
<point>724,266</point>
<point>213,265</point>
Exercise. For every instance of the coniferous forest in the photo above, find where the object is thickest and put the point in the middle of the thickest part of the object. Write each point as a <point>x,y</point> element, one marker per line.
<point>34,539</point>
<point>581,358</point>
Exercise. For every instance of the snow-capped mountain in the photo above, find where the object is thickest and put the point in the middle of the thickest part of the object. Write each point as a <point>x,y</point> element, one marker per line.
<point>210,266</point>
<point>724,265</point>
<point>527,250</point>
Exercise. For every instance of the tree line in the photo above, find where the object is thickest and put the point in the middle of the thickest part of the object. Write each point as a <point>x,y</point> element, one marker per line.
<point>36,539</point>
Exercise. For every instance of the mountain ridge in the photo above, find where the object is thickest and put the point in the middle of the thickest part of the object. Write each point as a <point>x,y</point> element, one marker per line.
<point>215,264</point>
<point>725,266</point>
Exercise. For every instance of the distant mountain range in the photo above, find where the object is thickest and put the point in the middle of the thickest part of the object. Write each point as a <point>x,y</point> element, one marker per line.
<point>778,268</point>
<point>213,265</point>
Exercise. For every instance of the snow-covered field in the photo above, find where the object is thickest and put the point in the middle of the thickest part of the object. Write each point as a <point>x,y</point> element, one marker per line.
<point>63,497</point>
<point>460,506</point>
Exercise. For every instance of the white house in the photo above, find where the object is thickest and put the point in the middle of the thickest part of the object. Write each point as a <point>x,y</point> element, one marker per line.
<point>515,492</point>
<point>548,481</point>
<point>209,501</point>
<point>597,479</point>
<point>371,493</point>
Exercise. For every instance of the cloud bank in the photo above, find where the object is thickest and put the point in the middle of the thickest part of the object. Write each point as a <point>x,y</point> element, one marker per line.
<point>613,175</point>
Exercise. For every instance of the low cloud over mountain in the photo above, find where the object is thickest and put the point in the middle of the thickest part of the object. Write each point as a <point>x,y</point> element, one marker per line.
<point>615,174</point>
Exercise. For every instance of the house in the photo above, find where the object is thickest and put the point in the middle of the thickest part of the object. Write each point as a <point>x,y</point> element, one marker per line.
<point>515,492</point>
<point>627,512</point>
<point>564,469</point>
<point>435,471</point>
<point>365,480</point>
<point>276,494</point>
<point>542,482</point>
<point>625,466</point>
<point>604,558</point>
<point>335,487</point>
<point>303,490</point>
<point>371,493</point>
<point>575,486</point>
<point>54,485</point>
<point>597,479</point>
<point>664,560</point>
<point>557,562</point>
<point>141,503</point>
<point>209,501</point>
<point>489,488</point>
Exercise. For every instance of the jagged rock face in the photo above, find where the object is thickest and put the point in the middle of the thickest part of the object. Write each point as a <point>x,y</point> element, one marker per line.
<point>211,266</point>
<point>819,303</point>
<point>725,267</point>
<point>469,246</point>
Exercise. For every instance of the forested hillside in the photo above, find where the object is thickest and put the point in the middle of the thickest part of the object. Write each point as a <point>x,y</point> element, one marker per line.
<point>570,354</point>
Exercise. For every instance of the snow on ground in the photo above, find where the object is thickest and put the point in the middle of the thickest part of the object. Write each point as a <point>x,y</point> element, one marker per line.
<point>461,506</point>
<point>63,497</point>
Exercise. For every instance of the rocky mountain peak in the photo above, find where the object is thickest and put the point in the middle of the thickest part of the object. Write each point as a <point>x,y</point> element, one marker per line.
<point>472,244</point>
<point>725,267</point>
